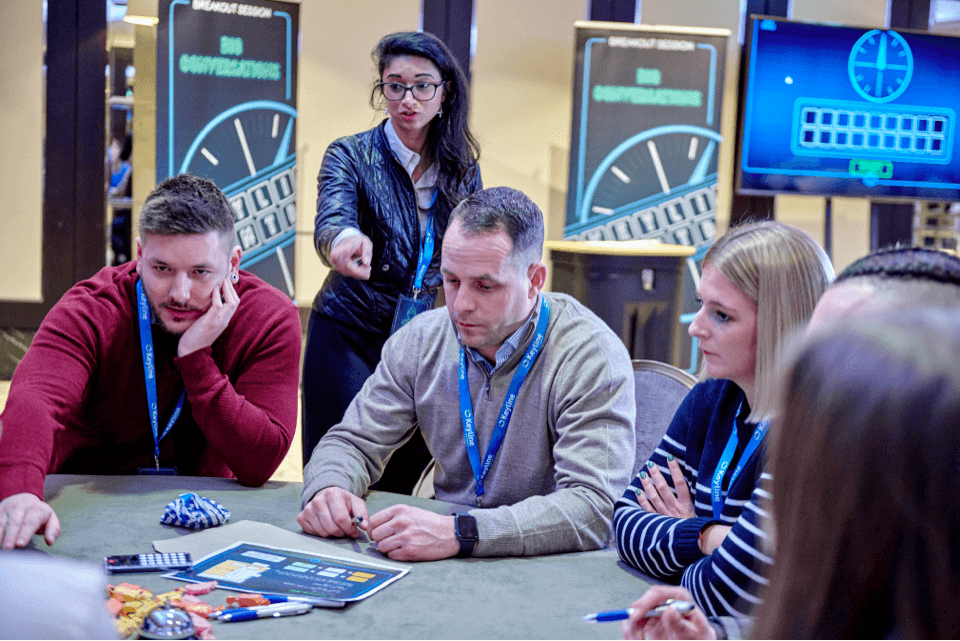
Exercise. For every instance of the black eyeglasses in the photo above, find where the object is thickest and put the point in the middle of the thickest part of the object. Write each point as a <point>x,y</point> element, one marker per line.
<point>421,91</point>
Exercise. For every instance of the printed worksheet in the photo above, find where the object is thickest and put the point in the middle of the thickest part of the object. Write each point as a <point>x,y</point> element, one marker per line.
<point>249,567</point>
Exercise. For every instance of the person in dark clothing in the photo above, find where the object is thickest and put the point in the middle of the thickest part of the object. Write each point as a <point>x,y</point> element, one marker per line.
<point>384,200</point>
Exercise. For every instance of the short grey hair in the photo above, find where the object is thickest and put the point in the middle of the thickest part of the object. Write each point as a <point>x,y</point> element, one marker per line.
<point>508,210</point>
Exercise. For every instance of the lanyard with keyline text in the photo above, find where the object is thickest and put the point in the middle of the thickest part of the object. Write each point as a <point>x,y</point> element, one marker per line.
<point>716,496</point>
<point>426,252</point>
<point>466,406</point>
<point>149,373</point>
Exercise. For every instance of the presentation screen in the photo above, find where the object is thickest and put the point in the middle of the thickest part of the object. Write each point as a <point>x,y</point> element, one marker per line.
<point>849,111</point>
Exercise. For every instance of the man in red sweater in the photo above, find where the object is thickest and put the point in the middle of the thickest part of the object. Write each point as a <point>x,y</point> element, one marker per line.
<point>177,363</point>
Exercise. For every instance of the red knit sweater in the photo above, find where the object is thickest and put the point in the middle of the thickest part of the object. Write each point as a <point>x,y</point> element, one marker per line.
<point>78,403</point>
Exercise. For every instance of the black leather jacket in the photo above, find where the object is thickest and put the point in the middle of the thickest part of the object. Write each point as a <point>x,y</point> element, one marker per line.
<point>363,185</point>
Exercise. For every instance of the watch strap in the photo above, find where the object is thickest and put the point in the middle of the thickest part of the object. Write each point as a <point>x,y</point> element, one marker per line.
<point>465,528</point>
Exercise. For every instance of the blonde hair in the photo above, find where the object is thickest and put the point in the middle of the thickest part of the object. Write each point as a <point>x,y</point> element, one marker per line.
<point>784,272</point>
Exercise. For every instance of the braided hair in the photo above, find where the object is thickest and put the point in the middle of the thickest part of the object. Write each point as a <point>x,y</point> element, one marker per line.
<point>906,263</point>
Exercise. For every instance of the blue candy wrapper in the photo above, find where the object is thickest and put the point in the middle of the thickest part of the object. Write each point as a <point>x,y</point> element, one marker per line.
<point>195,512</point>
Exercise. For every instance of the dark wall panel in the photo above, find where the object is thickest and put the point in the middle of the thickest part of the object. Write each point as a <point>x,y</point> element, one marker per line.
<point>452,22</point>
<point>613,10</point>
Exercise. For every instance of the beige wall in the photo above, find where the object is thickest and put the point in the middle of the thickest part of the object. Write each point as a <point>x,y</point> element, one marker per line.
<point>21,155</point>
<point>522,79</point>
<point>144,123</point>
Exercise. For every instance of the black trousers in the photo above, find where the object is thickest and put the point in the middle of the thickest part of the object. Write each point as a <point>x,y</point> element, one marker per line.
<point>338,359</point>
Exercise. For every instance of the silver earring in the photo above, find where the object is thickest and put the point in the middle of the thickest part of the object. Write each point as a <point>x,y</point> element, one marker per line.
<point>440,112</point>
<point>235,277</point>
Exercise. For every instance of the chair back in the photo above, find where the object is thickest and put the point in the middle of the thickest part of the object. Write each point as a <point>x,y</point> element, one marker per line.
<point>424,487</point>
<point>660,388</point>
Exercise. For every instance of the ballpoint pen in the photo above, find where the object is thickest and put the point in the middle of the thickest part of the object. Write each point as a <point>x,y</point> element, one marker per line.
<point>608,615</point>
<point>619,615</point>
<point>265,611</point>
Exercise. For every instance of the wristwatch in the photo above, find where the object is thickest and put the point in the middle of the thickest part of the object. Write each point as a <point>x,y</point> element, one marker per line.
<point>465,527</point>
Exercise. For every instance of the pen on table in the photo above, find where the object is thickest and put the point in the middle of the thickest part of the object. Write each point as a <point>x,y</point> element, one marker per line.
<point>265,611</point>
<point>619,615</point>
<point>609,615</point>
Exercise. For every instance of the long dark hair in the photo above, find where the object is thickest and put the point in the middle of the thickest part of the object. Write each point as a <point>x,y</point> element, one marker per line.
<point>449,141</point>
<point>866,480</point>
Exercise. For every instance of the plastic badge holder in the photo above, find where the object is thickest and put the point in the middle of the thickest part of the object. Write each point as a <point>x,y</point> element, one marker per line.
<point>193,511</point>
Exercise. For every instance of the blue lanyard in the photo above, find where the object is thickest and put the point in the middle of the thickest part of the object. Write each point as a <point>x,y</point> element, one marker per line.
<point>466,407</point>
<point>716,495</point>
<point>149,373</point>
<point>426,252</point>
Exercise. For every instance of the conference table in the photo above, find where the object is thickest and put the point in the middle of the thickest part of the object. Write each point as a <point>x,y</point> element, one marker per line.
<point>477,598</point>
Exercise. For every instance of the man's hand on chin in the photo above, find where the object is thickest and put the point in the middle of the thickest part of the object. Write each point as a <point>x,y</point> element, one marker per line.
<point>223,303</point>
<point>406,533</point>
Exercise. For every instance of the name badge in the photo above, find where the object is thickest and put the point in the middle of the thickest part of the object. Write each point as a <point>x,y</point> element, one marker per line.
<point>157,471</point>
<point>407,308</point>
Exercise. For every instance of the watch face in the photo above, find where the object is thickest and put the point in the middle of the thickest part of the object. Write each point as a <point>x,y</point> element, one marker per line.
<point>466,527</point>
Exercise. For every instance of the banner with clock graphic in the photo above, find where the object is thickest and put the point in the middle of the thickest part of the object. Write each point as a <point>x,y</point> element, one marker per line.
<point>226,110</point>
<point>646,132</point>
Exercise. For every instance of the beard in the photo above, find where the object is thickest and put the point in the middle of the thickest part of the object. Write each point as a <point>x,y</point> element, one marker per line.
<point>158,319</point>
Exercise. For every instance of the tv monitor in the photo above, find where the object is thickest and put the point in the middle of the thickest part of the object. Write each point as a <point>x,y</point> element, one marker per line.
<point>849,111</point>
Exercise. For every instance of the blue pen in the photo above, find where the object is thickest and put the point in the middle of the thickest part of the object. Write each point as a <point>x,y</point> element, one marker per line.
<point>607,616</point>
<point>619,615</point>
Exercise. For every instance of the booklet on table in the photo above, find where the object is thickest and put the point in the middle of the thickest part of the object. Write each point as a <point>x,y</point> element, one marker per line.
<point>321,579</point>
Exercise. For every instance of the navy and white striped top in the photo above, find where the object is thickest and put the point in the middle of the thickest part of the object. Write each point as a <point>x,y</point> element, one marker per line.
<point>728,581</point>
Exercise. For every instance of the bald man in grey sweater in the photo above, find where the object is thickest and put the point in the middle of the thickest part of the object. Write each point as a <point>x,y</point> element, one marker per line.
<point>525,400</point>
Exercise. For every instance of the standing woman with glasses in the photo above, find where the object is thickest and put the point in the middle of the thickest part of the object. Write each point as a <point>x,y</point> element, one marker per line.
<point>384,199</point>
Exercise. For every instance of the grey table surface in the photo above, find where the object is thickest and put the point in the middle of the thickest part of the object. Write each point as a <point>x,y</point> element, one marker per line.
<point>508,598</point>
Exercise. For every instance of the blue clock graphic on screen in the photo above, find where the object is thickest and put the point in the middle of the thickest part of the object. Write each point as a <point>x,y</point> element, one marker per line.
<point>880,65</point>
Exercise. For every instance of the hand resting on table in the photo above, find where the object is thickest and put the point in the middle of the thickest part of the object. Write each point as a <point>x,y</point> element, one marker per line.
<point>23,515</point>
<point>402,532</point>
